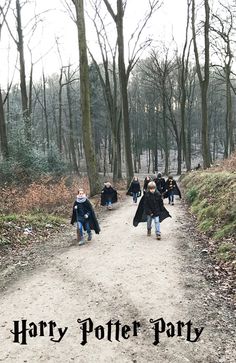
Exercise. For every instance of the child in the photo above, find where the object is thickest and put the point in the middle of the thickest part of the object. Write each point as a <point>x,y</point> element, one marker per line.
<point>134,189</point>
<point>84,216</point>
<point>108,195</point>
<point>145,184</point>
<point>172,189</point>
<point>160,183</point>
<point>151,208</point>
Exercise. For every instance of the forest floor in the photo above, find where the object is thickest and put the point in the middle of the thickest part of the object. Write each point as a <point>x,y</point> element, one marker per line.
<point>120,275</point>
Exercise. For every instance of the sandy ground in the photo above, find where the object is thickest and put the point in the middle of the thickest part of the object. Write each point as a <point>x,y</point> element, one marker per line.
<point>121,275</point>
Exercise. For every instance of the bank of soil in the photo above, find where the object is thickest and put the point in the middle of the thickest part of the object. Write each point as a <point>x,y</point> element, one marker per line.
<point>120,275</point>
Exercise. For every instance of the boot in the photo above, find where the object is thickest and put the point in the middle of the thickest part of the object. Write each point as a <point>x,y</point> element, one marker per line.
<point>89,236</point>
<point>158,236</point>
<point>149,232</point>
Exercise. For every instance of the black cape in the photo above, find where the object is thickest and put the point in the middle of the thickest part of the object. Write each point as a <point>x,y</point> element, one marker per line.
<point>134,188</point>
<point>175,190</point>
<point>140,215</point>
<point>108,193</point>
<point>93,222</point>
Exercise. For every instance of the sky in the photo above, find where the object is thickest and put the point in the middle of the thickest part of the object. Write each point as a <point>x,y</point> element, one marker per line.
<point>56,26</point>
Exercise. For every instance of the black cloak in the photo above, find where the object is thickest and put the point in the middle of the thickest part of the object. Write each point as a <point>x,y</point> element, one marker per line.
<point>93,222</point>
<point>140,215</point>
<point>134,188</point>
<point>176,191</point>
<point>161,184</point>
<point>108,193</point>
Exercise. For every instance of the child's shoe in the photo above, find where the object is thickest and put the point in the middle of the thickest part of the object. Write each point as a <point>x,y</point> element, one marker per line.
<point>158,236</point>
<point>90,236</point>
<point>149,232</point>
<point>82,241</point>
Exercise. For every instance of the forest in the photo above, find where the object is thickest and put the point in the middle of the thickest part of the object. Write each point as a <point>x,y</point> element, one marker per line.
<point>97,96</point>
<point>137,104</point>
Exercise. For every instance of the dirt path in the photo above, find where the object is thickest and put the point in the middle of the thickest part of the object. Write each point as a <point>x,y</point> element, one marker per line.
<point>121,275</point>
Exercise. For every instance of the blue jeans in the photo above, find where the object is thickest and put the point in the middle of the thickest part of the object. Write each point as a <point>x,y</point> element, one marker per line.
<point>135,197</point>
<point>156,221</point>
<point>80,227</point>
<point>108,202</point>
<point>171,196</point>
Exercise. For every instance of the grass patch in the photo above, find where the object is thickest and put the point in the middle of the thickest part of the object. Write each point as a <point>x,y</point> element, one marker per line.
<point>213,200</point>
<point>24,229</point>
<point>226,252</point>
<point>191,195</point>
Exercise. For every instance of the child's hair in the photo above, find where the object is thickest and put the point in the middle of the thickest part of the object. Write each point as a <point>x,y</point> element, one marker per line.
<point>151,185</point>
<point>80,189</point>
<point>170,177</point>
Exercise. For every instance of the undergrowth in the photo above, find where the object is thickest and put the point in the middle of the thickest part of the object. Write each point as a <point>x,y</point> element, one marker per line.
<point>212,197</point>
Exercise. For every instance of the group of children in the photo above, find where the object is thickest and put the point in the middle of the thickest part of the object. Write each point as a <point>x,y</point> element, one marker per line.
<point>167,188</point>
<point>150,208</point>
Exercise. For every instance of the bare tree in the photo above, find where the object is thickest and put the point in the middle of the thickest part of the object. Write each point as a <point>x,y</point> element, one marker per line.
<point>85,101</point>
<point>183,80</point>
<point>224,29</point>
<point>108,78</point>
<point>124,73</point>
<point>203,77</point>
<point>3,131</point>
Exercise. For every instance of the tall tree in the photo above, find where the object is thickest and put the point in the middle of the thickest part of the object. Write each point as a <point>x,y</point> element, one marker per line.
<point>224,28</point>
<point>118,19</point>
<point>24,95</point>
<point>85,101</point>
<point>203,77</point>
<point>3,130</point>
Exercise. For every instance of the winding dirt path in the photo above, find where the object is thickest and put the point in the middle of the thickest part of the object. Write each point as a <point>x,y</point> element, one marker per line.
<point>121,275</point>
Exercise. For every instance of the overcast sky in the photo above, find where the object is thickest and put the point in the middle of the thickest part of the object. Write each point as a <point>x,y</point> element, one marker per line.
<point>169,20</point>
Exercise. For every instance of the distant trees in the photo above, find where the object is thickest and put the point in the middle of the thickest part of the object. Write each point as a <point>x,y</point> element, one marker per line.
<point>118,112</point>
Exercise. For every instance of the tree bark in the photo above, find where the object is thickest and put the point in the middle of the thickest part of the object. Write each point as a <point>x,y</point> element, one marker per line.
<point>91,164</point>
<point>23,87</point>
<point>203,81</point>
<point>3,130</point>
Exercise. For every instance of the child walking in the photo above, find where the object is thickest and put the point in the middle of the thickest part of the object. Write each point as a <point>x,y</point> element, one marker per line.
<point>153,205</point>
<point>150,209</point>
<point>134,189</point>
<point>84,216</point>
<point>172,189</point>
<point>108,195</point>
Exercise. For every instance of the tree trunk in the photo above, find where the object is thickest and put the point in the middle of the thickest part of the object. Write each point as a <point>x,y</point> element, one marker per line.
<point>85,102</point>
<point>3,130</point>
<point>124,94</point>
<point>203,80</point>
<point>24,96</point>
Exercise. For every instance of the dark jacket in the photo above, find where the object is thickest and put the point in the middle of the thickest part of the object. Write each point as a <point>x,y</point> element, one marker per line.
<point>161,184</point>
<point>79,212</point>
<point>171,185</point>
<point>145,184</point>
<point>108,194</point>
<point>134,188</point>
<point>141,215</point>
